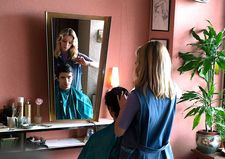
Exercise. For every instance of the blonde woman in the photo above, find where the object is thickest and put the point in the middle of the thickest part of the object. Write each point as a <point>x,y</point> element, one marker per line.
<point>146,116</point>
<point>66,51</point>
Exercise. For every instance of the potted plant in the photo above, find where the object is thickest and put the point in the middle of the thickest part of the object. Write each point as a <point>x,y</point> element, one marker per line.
<point>207,59</point>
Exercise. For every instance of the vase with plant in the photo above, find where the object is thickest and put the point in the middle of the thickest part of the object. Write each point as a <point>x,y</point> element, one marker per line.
<point>207,60</point>
<point>38,117</point>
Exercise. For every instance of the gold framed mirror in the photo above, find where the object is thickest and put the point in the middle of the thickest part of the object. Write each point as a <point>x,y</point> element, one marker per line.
<point>92,33</point>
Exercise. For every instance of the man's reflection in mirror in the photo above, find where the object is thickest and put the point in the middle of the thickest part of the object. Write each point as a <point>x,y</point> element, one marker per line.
<point>70,103</point>
<point>66,51</point>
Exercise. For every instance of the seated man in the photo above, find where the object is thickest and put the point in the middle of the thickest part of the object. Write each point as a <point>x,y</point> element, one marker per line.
<point>69,102</point>
<point>104,144</point>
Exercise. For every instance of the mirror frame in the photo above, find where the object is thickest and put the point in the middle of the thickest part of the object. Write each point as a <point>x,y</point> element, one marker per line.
<point>50,58</point>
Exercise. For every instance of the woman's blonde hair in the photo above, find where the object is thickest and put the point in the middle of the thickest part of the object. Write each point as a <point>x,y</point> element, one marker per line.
<point>73,51</point>
<point>153,70</point>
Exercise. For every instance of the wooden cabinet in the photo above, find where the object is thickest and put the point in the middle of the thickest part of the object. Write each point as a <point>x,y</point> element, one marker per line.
<point>62,143</point>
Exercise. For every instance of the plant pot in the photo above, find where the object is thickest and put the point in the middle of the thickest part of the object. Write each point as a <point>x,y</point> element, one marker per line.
<point>207,142</point>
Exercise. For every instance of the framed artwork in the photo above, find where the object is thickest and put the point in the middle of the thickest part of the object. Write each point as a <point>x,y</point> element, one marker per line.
<point>163,41</point>
<point>160,15</point>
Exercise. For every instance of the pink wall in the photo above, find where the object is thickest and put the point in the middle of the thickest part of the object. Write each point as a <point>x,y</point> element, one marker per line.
<point>190,14</point>
<point>23,63</point>
<point>23,54</point>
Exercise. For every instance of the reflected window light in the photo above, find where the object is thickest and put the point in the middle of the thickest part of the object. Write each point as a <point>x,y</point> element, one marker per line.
<point>99,35</point>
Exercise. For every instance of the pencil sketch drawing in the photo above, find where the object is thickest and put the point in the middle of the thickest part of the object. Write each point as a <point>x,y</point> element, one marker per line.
<point>160,15</point>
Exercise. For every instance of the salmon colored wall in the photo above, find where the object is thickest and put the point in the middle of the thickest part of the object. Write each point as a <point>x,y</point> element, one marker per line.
<point>23,63</point>
<point>190,14</point>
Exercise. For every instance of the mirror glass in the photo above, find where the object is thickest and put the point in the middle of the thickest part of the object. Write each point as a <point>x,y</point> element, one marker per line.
<point>77,51</point>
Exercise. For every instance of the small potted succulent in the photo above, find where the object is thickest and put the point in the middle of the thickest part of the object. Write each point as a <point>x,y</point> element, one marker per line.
<point>207,60</point>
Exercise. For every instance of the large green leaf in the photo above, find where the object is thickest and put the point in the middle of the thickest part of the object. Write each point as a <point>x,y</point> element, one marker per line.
<point>190,62</point>
<point>207,65</point>
<point>212,32</point>
<point>211,90</point>
<point>220,111</point>
<point>195,35</point>
<point>221,61</point>
<point>217,69</point>
<point>219,38</point>
<point>205,94</point>
<point>209,116</point>
<point>196,121</point>
<point>206,33</point>
<point>192,112</point>
<point>189,65</point>
<point>189,96</point>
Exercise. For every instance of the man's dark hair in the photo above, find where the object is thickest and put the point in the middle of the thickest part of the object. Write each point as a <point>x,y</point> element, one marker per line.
<point>66,68</point>
<point>111,99</point>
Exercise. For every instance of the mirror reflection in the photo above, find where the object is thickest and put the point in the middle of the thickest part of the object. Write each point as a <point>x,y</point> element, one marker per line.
<point>77,49</point>
<point>70,102</point>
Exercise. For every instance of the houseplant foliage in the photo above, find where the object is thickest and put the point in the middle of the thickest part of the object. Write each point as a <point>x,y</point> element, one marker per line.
<point>207,60</point>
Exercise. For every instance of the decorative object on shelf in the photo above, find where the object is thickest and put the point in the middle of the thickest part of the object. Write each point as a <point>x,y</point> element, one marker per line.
<point>38,118</point>
<point>35,142</point>
<point>27,108</point>
<point>11,122</point>
<point>160,15</point>
<point>207,60</point>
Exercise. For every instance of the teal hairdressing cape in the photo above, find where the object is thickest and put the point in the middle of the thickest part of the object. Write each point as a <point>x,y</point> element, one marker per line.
<point>72,104</point>
<point>102,145</point>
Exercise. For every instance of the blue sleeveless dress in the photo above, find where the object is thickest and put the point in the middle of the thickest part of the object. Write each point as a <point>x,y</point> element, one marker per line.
<point>148,135</point>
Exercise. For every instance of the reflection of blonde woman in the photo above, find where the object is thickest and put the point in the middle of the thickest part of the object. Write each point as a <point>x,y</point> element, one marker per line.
<point>67,42</point>
<point>146,116</point>
<point>66,51</point>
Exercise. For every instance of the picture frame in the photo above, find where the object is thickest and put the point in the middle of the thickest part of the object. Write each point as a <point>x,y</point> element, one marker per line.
<point>163,41</point>
<point>160,15</point>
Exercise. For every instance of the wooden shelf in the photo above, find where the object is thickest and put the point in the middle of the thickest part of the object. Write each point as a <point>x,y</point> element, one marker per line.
<point>55,144</point>
<point>64,125</point>
<point>201,155</point>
